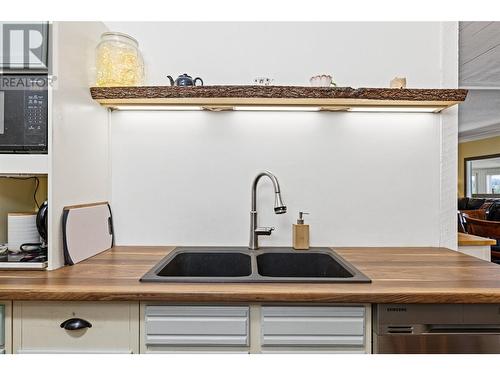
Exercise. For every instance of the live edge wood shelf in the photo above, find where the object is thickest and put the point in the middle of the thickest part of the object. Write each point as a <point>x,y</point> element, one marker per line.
<point>222,98</point>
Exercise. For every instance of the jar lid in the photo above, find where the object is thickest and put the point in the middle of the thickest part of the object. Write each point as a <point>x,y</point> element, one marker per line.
<point>120,35</point>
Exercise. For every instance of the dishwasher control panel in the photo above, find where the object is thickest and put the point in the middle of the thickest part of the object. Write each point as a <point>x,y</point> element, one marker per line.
<point>436,328</point>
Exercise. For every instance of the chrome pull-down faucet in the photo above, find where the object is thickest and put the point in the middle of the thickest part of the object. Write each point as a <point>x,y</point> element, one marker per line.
<point>279,208</point>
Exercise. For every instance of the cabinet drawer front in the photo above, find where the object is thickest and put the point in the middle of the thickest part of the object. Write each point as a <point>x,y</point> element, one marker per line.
<point>197,325</point>
<point>37,327</point>
<point>2,326</point>
<point>313,326</point>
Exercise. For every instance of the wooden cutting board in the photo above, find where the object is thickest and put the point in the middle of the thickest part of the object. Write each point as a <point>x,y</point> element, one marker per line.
<point>87,231</point>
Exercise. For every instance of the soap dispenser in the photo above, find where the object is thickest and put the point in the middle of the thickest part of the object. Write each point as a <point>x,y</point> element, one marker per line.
<point>301,233</point>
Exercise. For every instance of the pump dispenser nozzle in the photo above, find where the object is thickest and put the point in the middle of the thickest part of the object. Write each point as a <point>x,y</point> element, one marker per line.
<point>300,220</point>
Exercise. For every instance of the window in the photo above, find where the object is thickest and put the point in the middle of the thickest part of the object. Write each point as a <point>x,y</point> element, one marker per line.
<point>493,183</point>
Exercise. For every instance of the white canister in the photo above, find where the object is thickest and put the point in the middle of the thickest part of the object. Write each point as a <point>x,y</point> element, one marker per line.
<point>21,229</point>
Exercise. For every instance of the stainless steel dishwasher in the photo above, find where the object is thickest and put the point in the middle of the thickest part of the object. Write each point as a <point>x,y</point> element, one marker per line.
<point>436,328</point>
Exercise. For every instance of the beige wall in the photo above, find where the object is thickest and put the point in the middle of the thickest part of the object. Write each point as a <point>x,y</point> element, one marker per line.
<point>481,147</point>
<point>17,195</point>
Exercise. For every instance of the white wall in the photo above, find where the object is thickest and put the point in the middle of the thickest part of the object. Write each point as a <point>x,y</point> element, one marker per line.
<point>367,179</point>
<point>359,54</point>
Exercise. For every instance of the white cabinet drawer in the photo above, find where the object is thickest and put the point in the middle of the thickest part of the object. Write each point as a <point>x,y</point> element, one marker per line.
<point>37,327</point>
<point>196,325</point>
<point>313,326</point>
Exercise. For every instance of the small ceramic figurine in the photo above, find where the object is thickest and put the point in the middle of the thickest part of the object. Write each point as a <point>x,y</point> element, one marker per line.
<point>263,81</point>
<point>398,83</point>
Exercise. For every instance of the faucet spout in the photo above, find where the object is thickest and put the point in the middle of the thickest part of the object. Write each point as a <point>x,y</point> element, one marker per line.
<point>279,208</point>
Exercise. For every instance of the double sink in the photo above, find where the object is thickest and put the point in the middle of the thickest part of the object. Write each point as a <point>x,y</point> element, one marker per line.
<point>255,264</point>
<point>239,264</point>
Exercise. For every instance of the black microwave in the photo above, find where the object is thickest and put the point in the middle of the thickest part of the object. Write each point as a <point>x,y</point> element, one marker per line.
<point>23,113</point>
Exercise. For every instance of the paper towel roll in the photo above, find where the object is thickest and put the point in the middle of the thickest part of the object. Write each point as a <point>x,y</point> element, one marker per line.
<point>21,228</point>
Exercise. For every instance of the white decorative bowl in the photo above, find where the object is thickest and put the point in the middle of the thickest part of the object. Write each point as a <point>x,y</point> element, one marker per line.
<point>323,80</point>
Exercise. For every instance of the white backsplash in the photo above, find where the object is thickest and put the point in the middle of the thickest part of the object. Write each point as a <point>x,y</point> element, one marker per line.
<point>185,177</point>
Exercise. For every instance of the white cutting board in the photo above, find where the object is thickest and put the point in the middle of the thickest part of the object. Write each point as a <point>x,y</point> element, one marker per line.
<point>87,231</point>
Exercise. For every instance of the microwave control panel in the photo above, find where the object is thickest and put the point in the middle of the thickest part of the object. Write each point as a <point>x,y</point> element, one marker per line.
<point>23,113</point>
<point>35,120</point>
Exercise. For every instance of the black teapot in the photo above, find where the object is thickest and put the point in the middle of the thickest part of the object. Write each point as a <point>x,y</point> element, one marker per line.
<point>184,80</point>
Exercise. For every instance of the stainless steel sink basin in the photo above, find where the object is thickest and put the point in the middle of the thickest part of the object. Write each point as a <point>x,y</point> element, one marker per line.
<point>239,264</point>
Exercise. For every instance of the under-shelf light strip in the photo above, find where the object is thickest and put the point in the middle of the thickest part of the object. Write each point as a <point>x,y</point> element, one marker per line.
<point>154,107</point>
<point>276,108</point>
<point>414,109</point>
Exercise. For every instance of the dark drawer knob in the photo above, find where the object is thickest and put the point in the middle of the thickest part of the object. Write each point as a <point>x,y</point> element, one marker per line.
<point>74,324</point>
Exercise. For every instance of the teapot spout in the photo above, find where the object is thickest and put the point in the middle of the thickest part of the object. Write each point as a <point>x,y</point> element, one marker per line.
<point>172,82</point>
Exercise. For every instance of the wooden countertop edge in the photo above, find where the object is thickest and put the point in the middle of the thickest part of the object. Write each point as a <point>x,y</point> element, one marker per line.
<point>220,297</point>
<point>465,239</point>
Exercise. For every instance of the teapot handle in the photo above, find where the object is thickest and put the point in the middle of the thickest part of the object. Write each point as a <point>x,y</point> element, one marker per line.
<point>196,79</point>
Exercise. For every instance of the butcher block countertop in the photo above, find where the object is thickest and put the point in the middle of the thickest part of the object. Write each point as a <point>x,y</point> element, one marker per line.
<point>465,239</point>
<point>399,275</point>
